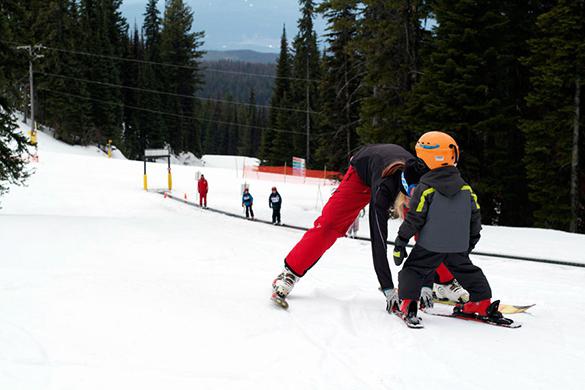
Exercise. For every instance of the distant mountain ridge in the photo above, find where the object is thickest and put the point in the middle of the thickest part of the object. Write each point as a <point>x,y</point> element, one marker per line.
<point>241,55</point>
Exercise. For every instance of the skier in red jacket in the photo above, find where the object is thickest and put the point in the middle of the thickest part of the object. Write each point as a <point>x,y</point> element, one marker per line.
<point>202,188</point>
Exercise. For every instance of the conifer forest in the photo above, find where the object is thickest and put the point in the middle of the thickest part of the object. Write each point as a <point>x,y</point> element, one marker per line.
<point>504,78</point>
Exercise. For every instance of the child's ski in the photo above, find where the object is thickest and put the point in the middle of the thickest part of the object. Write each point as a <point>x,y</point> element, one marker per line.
<point>502,321</point>
<point>415,323</point>
<point>503,308</point>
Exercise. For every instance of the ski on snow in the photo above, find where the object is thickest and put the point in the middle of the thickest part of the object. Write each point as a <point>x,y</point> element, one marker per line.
<point>503,322</point>
<point>503,308</point>
<point>280,301</point>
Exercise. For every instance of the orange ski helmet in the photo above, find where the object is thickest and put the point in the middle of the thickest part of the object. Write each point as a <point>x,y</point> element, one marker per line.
<point>437,149</point>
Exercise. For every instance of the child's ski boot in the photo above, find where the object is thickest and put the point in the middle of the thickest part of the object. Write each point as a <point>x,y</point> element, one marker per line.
<point>408,313</point>
<point>484,311</point>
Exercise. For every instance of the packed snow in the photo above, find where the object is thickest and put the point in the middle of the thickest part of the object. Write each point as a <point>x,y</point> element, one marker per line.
<point>106,286</point>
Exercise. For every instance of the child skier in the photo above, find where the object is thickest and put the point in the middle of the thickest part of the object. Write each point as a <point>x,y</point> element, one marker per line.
<point>445,212</point>
<point>275,202</point>
<point>248,201</point>
<point>443,284</point>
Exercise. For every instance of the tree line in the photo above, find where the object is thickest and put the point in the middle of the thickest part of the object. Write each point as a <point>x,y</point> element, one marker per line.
<point>504,78</point>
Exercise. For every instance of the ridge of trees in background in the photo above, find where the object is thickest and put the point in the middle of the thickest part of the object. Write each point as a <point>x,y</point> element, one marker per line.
<point>504,78</point>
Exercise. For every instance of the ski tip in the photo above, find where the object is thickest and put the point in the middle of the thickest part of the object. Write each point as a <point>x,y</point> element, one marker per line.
<point>280,302</point>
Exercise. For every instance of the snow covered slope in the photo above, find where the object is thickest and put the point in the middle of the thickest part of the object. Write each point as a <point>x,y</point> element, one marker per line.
<point>105,286</point>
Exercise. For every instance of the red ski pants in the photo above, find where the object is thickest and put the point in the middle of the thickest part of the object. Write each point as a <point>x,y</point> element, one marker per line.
<point>203,199</point>
<point>339,212</point>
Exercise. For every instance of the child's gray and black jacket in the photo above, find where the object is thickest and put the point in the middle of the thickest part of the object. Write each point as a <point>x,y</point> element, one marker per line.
<point>445,212</point>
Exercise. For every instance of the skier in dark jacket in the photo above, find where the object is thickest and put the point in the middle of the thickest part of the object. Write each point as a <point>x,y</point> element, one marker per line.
<point>374,178</point>
<point>445,212</point>
<point>248,201</point>
<point>275,202</point>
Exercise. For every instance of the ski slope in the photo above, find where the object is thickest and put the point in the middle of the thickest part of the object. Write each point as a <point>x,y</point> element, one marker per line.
<point>106,286</point>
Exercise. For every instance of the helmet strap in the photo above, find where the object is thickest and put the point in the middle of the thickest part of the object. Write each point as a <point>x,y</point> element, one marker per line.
<point>456,151</point>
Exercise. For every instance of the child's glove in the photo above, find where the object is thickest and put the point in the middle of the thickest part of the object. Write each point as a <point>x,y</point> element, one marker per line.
<point>392,299</point>
<point>399,250</point>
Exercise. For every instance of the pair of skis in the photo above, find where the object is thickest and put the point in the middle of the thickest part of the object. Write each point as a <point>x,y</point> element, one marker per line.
<point>415,322</point>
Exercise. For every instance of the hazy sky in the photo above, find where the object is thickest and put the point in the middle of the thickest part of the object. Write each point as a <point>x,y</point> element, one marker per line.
<point>235,24</point>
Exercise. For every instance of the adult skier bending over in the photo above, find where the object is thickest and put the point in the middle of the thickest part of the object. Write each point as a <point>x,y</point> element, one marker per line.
<point>445,213</point>
<point>374,177</point>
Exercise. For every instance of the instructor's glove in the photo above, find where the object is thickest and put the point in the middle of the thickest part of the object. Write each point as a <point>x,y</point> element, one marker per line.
<point>392,299</point>
<point>399,253</point>
<point>426,297</point>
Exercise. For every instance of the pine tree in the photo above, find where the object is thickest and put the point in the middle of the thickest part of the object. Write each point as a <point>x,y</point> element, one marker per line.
<point>248,132</point>
<point>180,47</point>
<point>154,132</point>
<point>554,130</point>
<point>340,85</point>
<point>13,145</point>
<point>282,88</point>
<point>131,77</point>
<point>305,86</point>
<point>104,29</point>
<point>472,87</point>
<point>391,36</point>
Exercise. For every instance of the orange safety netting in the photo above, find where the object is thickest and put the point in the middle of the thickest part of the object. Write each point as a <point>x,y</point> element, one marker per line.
<point>288,174</point>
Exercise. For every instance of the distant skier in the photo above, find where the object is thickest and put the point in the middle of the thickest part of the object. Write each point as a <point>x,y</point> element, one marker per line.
<point>275,202</point>
<point>202,188</point>
<point>445,212</point>
<point>355,226</point>
<point>248,201</point>
<point>374,177</point>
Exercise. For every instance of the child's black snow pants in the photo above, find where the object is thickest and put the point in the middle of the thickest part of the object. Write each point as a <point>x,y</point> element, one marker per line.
<point>422,263</point>
<point>275,214</point>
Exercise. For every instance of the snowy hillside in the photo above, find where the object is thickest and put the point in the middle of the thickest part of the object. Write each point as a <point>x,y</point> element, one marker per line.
<point>106,286</point>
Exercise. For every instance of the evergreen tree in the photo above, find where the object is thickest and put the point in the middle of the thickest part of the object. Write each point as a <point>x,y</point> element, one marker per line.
<point>131,78</point>
<point>58,75</point>
<point>554,129</point>
<point>390,39</point>
<point>248,132</point>
<point>153,126</point>
<point>472,87</point>
<point>13,145</point>
<point>180,47</point>
<point>340,85</point>
<point>104,29</point>
<point>305,86</point>
<point>269,151</point>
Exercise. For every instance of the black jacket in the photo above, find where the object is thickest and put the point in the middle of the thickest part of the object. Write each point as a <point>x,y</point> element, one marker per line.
<point>274,200</point>
<point>445,212</point>
<point>369,163</point>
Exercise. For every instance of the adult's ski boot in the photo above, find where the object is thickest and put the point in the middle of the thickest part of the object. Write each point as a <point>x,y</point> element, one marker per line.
<point>282,286</point>
<point>451,291</point>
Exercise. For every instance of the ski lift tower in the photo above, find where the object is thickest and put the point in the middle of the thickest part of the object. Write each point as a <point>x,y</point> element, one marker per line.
<point>153,154</point>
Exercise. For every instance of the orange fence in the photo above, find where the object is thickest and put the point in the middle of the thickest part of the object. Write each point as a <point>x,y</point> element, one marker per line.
<point>286,174</point>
